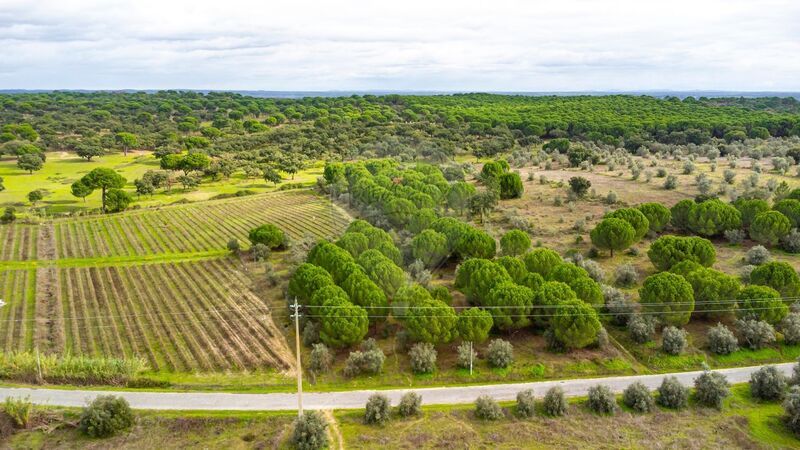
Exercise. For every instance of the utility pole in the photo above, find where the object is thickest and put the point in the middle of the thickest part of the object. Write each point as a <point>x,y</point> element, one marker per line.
<point>296,316</point>
<point>470,358</point>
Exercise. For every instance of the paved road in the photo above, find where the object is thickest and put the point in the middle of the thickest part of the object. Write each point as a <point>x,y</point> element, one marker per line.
<point>354,399</point>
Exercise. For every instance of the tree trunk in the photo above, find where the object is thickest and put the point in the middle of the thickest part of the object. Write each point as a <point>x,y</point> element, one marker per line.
<point>103,198</point>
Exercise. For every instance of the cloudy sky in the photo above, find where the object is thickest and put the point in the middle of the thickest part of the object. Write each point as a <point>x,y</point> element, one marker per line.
<point>497,45</point>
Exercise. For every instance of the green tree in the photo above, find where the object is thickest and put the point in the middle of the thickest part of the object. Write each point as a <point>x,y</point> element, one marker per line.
<point>431,321</point>
<point>613,234</point>
<point>430,247</point>
<point>680,214</point>
<point>342,323</point>
<point>271,175</point>
<point>575,324</point>
<point>474,325</point>
<point>484,279</point>
<point>669,250</point>
<point>194,162</point>
<point>474,243</point>
<point>126,141</point>
<point>509,305</point>
<point>658,215</point>
<point>117,200</point>
<point>634,217</point>
<point>542,261</point>
<point>713,217</point>
<point>421,220</point>
<point>171,161</point>
<point>307,279</point>
<point>104,179</point>
<point>791,209</point>
<point>267,234</point>
<point>750,208</point>
<point>761,303</point>
<point>515,242</point>
<point>30,162</point>
<point>80,190</point>
<point>465,271</point>
<point>769,227</point>
<point>458,195</point>
<point>354,243</point>
<point>510,185</point>
<point>399,211</point>
<point>515,267</point>
<point>669,296</point>
<point>780,276</point>
<point>35,196</point>
<point>579,185</point>
<point>88,151</point>
<point>713,291</point>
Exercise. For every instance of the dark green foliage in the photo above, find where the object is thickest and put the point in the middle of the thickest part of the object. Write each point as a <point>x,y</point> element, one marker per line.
<point>638,397</point>
<point>306,280</point>
<point>323,294</point>
<point>750,208</point>
<point>423,358</point>
<point>575,324</point>
<point>560,145</point>
<point>579,185</point>
<point>474,325</point>
<point>354,243</point>
<point>761,303</point>
<point>601,400</point>
<point>780,276</point>
<point>510,185</point>
<point>104,179</point>
<point>342,323</point>
<point>791,209</point>
<point>680,214</point>
<point>410,405</point>
<point>117,200</point>
<point>310,431</point>
<point>721,340</point>
<point>555,403</point>
<point>430,247</point>
<point>713,291</point>
<point>768,384</point>
<point>684,268</point>
<point>377,410</point>
<point>526,404</point>
<point>267,234</point>
<point>667,251</point>
<point>658,216</point>
<point>668,295</point>
<point>484,279</point>
<point>500,353</point>
<point>458,195</point>
<point>466,270</point>
<point>541,261</point>
<point>421,220</point>
<point>613,234</point>
<point>486,408</point>
<point>474,243</point>
<point>769,227</point>
<point>106,416</point>
<point>711,388</point>
<point>515,242</point>
<point>515,267</point>
<point>509,305</point>
<point>672,394</point>
<point>430,321</point>
<point>713,218</point>
<point>635,218</point>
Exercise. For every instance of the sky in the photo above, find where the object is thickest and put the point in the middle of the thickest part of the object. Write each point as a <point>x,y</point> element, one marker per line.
<point>435,45</point>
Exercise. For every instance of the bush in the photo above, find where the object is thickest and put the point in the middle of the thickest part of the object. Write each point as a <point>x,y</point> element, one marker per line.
<point>721,340</point>
<point>575,323</point>
<point>500,353</point>
<point>579,185</point>
<point>673,340</point>
<point>260,252</point>
<point>364,362</point>
<point>711,388</point>
<point>671,182</point>
<point>638,397</point>
<point>734,237</point>
<point>791,242</point>
<point>767,383</point>
<point>791,408</point>
<point>618,305</point>
<point>672,394</point>
<point>669,250</point>
<point>234,246</point>
<point>658,215</point>
<point>526,404</point>
<point>761,303</point>
<point>410,405</point>
<point>9,215</point>
<point>377,410</point>
<point>466,353</point>
<point>757,255</point>
<point>602,400</point>
<point>756,334</point>
<point>105,416</point>
<point>626,275</point>
<point>642,328</point>
<point>790,327</point>
<point>555,403</point>
<point>19,409</point>
<point>487,409</point>
<point>320,359</point>
<point>780,276</point>
<point>515,242</point>
<point>267,234</point>
<point>423,358</point>
<point>310,431</point>
<point>770,227</point>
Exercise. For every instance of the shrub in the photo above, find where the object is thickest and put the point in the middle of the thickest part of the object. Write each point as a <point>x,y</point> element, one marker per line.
<point>579,185</point>
<point>260,252</point>
<point>515,242</point>
<point>721,340</point>
<point>780,276</point>
<point>638,397</point>
<point>474,325</point>
<point>486,408</point>
<point>19,409</point>
<point>500,353</point>
<point>642,328</point>
<point>757,255</point>
<point>575,323</point>
<point>770,227</point>
<point>602,400</point>
<point>734,237</point>
<point>756,334</point>
<point>320,359</point>
<point>9,215</point>
<point>267,234</point>
<point>760,303</point>
<point>377,410</point>
<point>658,215</point>
<point>791,408</point>
<point>423,358</point>
<point>635,218</point>
<point>466,354</point>
<point>671,182</point>
<point>791,242</point>
<point>526,404</point>
<point>364,362</point>
<point>745,272</point>
<point>713,217</point>
<point>105,416</point>
<point>410,405</point>
<point>626,275</point>
<point>555,403</point>
<point>667,251</point>
<point>790,327</point>
<point>510,185</point>
<point>672,394</point>
<point>234,247</point>
<point>673,340</point>
<point>767,383</point>
<point>618,305</point>
<point>310,431</point>
<point>711,388</point>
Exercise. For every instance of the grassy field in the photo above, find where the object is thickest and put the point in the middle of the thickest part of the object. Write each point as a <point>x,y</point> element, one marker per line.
<point>62,168</point>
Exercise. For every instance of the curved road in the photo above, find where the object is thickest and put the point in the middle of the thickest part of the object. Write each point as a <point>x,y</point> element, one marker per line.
<point>354,399</point>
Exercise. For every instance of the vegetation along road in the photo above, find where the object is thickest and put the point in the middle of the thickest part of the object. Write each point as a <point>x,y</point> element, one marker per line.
<point>356,398</point>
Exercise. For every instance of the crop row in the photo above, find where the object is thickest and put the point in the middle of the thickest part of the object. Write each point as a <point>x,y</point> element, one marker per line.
<point>17,290</point>
<point>196,228</point>
<point>18,242</point>
<point>191,316</point>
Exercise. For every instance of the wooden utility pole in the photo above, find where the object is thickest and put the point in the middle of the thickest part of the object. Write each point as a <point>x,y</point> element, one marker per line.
<point>299,364</point>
